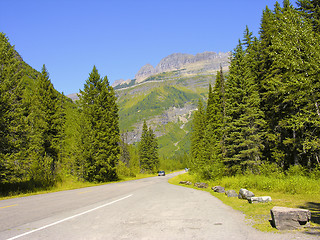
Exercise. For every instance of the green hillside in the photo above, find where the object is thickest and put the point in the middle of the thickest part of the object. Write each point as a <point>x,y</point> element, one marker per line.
<point>167,103</point>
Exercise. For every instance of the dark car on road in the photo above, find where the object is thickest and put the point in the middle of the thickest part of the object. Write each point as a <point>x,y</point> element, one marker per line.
<point>161,173</point>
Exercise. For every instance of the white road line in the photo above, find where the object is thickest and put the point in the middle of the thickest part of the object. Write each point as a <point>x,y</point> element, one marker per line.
<point>68,218</point>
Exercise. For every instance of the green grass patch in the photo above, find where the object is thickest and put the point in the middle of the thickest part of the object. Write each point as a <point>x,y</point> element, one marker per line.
<point>68,183</point>
<point>294,192</point>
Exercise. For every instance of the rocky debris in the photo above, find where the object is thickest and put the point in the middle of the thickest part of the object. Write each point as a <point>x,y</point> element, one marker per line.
<point>185,182</point>
<point>245,194</point>
<point>218,189</point>
<point>263,199</point>
<point>231,193</point>
<point>201,185</point>
<point>284,218</point>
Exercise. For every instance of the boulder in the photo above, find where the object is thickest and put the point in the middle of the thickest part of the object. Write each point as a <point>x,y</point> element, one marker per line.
<point>231,193</point>
<point>284,218</point>
<point>245,194</point>
<point>201,185</point>
<point>263,199</point>
<point>218,189</point>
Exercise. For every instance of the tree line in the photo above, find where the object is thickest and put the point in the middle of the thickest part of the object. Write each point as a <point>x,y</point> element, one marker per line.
<point>265,112</point>
<point>44,136</point>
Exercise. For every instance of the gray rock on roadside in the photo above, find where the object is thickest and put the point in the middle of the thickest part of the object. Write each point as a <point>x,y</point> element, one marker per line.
<point>218,189</point>
<point>201,185</point>
<point>231,193</point>
<point>245,194</point>
<point>185,182</point>
<point>284,218</point>
<point>263,199</point>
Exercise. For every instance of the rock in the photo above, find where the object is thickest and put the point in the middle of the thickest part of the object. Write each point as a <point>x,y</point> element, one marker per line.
<point>218,189</point>
<point>185,182</point>
<point>201,185</point>
<point>263,199</point>
<point>245,194</point>
<point>284,218</point>
<point>231,193</point>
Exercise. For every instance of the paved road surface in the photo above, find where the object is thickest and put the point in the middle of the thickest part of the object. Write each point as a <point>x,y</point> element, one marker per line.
<point>141,209</point>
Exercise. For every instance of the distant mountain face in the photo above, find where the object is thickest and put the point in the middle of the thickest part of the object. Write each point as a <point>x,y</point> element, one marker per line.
<point>166,96</point>
<point>191,64</point>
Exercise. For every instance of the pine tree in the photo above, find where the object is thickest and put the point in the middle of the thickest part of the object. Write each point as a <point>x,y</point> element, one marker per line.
<point>311,10</point>
<point>213,134</point>
<point>244,119</point>
<point>148,150</point>
<point>198,138</point>
<point>292,88</point>
<point>13,140</point>
<point>45,129</point>
<point>100,129</point>
<point>143,148</point>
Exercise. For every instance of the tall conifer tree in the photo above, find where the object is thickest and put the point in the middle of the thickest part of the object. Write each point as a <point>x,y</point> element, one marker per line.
<point>244,119</point>
<point>198,138</point>
<point>45,126</point>
<point>100,129</point>
<point>148,150</point>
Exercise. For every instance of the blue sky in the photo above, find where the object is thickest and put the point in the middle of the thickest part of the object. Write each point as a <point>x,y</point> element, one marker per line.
<point>120,36</point>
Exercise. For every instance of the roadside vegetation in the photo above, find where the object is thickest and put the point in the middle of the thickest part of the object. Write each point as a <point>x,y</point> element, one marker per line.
<point>260,126</point>
<point>293,191</point>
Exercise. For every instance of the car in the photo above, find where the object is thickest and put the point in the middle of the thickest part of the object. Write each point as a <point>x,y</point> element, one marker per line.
<point>161,173</point>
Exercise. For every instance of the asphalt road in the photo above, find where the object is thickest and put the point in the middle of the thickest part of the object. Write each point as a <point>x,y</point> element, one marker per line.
<point>142,209</point>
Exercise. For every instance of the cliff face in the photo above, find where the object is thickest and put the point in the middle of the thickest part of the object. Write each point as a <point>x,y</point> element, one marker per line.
<point>187,64</point>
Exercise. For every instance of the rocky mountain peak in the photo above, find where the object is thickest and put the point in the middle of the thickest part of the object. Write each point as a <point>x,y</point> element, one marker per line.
<point>206,61</point>
<point>146,71</point>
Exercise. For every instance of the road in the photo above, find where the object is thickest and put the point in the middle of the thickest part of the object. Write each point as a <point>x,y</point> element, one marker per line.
<point>141,209</point>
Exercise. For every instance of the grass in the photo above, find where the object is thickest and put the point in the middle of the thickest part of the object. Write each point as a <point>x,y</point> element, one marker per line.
<point>68,183</point>
<point>285,195</point>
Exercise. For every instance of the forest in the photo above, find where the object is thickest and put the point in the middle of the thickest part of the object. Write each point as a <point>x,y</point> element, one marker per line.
<point>261,117</point>
<point>264,116</point>
<point>45,137</point>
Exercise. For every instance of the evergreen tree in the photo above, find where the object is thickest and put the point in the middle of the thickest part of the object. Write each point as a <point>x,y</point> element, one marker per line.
<point>12,116</point>
<point>148,150</point>
<point>198,138</point>
<point>213,129</point>
<point>45,129</point>
<point>293,89</point>
<point>100,129</point>
<point>311,10</point>
<point>244,119</point>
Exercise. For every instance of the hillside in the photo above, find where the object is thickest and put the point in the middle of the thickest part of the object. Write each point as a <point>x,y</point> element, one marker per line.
<point>166,96</point>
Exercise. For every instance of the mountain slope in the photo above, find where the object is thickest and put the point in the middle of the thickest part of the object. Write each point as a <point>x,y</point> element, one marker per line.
<point>166,97</point>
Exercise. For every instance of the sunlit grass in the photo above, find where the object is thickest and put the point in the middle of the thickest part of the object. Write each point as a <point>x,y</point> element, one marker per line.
<point>68,183</point>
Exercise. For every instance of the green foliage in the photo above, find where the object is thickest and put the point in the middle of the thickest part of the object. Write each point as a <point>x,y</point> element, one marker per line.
<point>152,104</point>
<point>271,116</point>
<point>197,139</point>
<point>148,150</point>
<point>100,129</point>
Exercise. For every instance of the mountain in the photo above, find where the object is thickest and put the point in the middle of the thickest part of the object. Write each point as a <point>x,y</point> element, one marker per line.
<point>200,63</point>
<point>166,97</point>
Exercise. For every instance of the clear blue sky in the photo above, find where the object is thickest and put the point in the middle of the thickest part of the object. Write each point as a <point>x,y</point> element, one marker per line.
<point>120,36</point>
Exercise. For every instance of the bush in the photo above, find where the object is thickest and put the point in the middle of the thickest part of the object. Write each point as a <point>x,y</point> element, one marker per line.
<point>296,170</point>
<point>270,170</point>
